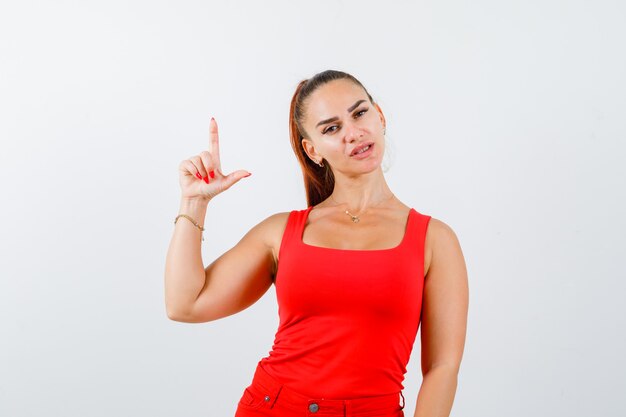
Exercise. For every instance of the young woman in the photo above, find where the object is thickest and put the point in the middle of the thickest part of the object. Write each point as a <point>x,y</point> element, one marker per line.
<point>356,272</point>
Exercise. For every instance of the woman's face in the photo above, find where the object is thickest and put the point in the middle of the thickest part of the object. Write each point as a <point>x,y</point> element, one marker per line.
<point>338,118</point>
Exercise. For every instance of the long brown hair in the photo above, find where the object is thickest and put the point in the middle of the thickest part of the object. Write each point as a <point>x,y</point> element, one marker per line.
<point>319,182</point>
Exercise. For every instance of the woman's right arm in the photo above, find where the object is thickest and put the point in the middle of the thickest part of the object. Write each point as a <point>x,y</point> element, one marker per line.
<point>234,280</point>
<point>184,270</point>
<point>229,284</point>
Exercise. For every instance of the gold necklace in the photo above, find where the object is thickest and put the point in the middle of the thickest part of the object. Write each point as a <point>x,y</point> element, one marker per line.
<point>355,219</point>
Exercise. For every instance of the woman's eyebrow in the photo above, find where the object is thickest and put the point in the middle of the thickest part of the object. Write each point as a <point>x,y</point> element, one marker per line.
<point>332,119</point>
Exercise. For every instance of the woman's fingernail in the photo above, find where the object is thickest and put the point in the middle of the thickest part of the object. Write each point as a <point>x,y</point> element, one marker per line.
<point>248,174</point>
<point>198,175</point>
<point>212,174</point>
<point>206,179</point>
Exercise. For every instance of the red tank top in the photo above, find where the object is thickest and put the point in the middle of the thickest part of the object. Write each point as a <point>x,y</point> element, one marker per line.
<point>348,318</point>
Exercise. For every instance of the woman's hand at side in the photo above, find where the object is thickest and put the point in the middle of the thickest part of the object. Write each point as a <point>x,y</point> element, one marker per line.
<point>201,176</point>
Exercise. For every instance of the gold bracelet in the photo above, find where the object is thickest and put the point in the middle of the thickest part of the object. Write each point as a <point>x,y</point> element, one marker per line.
<point>193,221</point>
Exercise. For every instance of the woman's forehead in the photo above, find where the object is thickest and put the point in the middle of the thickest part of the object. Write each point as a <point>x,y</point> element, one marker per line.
<point>334,99</point>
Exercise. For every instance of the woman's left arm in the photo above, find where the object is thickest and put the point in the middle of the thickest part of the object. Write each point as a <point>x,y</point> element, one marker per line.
<point>444,321</point>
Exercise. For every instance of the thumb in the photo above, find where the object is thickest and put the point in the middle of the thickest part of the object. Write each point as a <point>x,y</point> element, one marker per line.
<point>233,177</point>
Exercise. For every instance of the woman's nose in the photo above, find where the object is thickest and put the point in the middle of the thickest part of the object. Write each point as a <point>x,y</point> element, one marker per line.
<point>353,132</point>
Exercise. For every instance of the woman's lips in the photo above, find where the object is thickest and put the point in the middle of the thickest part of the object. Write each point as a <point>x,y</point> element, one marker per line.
<point>365,154</point>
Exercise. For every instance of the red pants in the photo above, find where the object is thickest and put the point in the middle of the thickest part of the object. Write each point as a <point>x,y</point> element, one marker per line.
<point>266,397</point>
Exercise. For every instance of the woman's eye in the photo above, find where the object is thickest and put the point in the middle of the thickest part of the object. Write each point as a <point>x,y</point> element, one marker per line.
<point>357,114</point>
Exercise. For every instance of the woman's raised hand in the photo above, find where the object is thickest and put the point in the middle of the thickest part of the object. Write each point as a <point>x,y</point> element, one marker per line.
<point>201,175</point>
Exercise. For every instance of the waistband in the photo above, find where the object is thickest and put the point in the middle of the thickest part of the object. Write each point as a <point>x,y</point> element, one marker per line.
<point>274,391</point>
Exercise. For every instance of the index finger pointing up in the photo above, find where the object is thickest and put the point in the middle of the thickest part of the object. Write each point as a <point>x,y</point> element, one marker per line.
<point>214,144</point>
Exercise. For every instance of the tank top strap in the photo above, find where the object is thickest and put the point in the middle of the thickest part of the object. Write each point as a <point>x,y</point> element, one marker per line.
<point>293,229</point>
<point>416,230</point>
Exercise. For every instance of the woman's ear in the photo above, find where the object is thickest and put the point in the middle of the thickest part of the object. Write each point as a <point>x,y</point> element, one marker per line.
<point>309,149</point>
<point>380,113</point>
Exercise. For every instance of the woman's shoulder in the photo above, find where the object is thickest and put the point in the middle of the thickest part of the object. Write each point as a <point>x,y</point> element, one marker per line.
<point>274,226</point>
<point>275,220</point>
<point>440,239</point>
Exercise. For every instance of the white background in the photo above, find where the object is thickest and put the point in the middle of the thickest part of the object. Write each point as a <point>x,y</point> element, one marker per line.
<point>505,119</point>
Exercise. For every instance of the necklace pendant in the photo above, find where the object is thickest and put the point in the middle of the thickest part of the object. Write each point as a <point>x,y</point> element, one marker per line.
<point>355,219</point>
